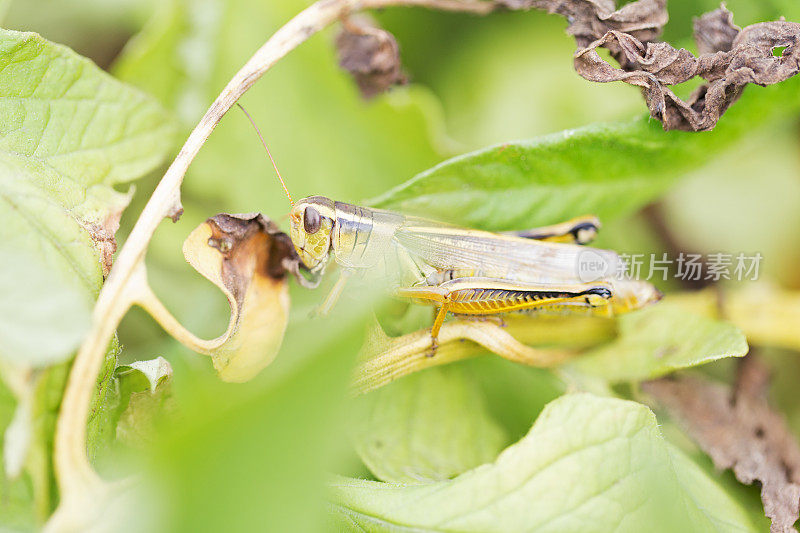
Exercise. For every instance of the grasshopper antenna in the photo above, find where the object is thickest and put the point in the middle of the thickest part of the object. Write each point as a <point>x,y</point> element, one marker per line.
<point>264,143</point>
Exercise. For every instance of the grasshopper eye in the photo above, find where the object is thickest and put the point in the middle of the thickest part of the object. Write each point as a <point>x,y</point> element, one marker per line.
<point>311,220</point>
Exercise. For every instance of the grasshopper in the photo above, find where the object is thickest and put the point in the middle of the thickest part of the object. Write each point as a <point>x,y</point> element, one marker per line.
<point>464,271</point>
<point>458,270</point>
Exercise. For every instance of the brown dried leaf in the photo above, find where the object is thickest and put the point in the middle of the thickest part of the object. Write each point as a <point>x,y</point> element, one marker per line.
<point>248,258</point>
<point>591,19</point>
<point>715,31</point>
<point>653,66</point>
<point>739,430</point>
<point>370,54</point>
<point>729,59</point>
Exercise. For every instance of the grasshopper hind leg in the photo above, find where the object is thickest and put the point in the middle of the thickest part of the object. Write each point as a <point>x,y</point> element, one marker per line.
<point>486,297</point>
<point>579,230</point>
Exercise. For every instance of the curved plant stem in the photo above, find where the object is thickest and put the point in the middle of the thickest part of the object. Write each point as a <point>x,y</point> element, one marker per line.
<point>127,281</point>
<point>410,353</point>
<point>148,301</point>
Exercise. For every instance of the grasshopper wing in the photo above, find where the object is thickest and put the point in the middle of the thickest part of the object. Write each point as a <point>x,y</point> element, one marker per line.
<point>479,253</point>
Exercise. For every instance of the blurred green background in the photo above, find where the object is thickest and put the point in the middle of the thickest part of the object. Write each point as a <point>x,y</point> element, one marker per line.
<point>474,82</point>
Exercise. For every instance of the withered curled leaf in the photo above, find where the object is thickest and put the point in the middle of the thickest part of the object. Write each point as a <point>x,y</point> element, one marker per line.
<point>715,31</point>
<point>370,54</point>
<point>739,430</point>
<point>248,258</point>
<point>591,19</point>
<point>730,57</point>
<point>658,65</point>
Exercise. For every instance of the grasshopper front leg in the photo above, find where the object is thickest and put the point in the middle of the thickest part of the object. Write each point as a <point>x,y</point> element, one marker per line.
<point>493,296</point>
<point>333,296</point>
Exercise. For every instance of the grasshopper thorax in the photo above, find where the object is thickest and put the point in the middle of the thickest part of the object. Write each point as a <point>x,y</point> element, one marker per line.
<point>311,223</point>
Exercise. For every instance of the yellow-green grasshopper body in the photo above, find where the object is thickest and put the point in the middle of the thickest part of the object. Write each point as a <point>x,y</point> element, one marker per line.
<point>466,271</point>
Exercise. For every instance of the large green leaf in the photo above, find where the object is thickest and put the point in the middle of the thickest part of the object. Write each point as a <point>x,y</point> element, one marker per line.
<point>64,112</point>
<point>427,426</point>
<point>606,169</point>
<point>69,132</point>
<point>588,464</point>
<point>659,340</point>
<point>42,318</point>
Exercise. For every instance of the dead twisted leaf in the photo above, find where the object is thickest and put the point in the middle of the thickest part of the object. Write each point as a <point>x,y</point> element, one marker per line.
<point>739,430</point>
<point>370,54</point>
<point>658,65</point>
<point>730,57</point>
<point>248,258</point>
<point>715,31</point>
<point>591,19</point>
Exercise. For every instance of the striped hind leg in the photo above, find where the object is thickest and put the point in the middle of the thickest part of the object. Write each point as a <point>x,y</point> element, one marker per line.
<point>490,297</point>
<point>579,230</point>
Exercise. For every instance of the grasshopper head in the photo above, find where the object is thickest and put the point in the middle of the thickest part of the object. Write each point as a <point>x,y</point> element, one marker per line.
<point>311,223</point>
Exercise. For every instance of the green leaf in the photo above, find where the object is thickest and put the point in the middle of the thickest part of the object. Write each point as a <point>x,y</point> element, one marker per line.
<point>69,132</point>
<point>145,400</point>
<point>608,169</point>
<point>143,376</point>
<point>131,405</point>
<point>659,340</point>
<point>64,112</point>
<point>42,318</point>
<point>428,426</point>
<point>588,464</point>
<point>748,496</point>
